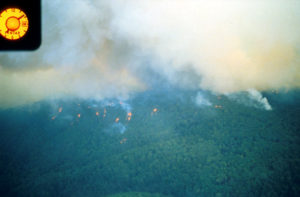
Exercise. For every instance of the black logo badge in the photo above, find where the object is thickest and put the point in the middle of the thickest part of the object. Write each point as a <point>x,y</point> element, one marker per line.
<point>20,24</point>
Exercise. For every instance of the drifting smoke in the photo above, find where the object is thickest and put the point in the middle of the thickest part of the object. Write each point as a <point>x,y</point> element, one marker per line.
<point>117,128</point>
<point>251,98</point>
<point>125,106</point>
<point>120,102</point>
<point>201,101</point>
<point>99,49</point>
<point>255,95</point>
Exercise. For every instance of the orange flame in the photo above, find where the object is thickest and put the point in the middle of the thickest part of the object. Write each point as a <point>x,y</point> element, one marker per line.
<point>78,115</point>
<point>123,140</point>
<point>117,119</point>
<point>218,106</point>
<point>129,116</point>
<point>97,113</point>
<point>155,110</point>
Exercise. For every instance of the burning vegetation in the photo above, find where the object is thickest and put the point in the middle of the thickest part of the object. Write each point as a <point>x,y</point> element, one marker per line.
<point>154,111</point>
<point>124,140</point>
<point>218,106</point>
<point>104,113</point>
<point>129,115</point>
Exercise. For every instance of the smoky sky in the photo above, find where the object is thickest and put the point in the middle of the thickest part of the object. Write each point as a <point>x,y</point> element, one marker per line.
<point>112,49</point>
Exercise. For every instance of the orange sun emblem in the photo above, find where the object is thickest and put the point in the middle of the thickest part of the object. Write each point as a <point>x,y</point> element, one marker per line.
<point>14,23</point>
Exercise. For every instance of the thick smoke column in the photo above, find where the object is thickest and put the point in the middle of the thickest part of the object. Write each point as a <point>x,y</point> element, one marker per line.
<point>98,49</point>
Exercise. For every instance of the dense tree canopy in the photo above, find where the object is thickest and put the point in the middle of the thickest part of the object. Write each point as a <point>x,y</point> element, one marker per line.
<point>179,150</point>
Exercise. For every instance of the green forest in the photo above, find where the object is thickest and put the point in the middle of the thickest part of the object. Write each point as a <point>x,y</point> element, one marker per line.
<point>170,147</point>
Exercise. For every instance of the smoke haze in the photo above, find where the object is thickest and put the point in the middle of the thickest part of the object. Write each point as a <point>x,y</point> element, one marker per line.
<point>104,49</point>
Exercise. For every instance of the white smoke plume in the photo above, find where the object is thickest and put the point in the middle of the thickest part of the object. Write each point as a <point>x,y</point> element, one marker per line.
<point>201,101</point>
<point>97,49</point>
<point>262,101</point>
<point>252,98</point>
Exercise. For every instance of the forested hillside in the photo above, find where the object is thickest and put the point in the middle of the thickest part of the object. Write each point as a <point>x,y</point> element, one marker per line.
<point>157,144</point>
